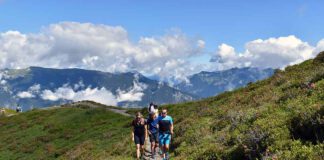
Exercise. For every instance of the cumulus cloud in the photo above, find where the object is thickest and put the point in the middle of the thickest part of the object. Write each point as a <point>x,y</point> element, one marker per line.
<point>35,88</point>
<point>319,47</point>
<point>101,95</point>
<point>133,94</point>
<point>67,93</point>
<point>168,57</point>
<point>2,80</point>
<point>79,85</point>
<point>31,92</point>
<point>99,47</point>
<point>25,94</point>
<point>269,53</point>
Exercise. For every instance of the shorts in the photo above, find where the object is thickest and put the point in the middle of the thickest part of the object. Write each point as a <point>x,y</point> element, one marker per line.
<point>139,139</point>
<point>154,137</point>
<point>164,138</point>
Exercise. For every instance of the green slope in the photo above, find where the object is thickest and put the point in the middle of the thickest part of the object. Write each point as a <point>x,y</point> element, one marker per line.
<point>279,117</point>
<point>65,133</point>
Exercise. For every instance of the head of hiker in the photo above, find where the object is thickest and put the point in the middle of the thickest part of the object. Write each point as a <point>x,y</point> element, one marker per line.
<point>164,113</point>
<point>152,114</point>
<point>138,115</point>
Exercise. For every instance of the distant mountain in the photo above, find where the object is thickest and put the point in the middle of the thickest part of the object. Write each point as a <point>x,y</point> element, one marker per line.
<point>41,87</point>
<point>206,84</point>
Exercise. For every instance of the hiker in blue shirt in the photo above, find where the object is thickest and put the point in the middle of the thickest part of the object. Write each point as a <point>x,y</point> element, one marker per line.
<point>152,125</point>
<point>165,131</point>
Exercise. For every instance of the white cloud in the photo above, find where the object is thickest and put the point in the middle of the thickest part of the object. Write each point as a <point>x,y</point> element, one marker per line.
<point>25,94</point>
<point>31,92</point>
<point>272,52</point>
<point>79,85</point>
<point>3,82</point>
<point>35,88</point>
<point>169,57</point>
<point>99,47</point>
<point>133,94</point>
<point>67,93</point>
<point>101,95</point>
<point>319,47</point>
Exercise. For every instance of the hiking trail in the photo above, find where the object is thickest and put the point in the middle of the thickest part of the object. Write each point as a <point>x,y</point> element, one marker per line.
<point>148,155</point>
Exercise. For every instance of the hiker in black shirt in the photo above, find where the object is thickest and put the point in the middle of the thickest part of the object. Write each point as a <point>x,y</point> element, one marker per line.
<point>139,133</point>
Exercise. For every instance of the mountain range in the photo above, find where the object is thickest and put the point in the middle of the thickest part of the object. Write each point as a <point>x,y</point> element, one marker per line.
<point>207,84</point>
<point>36,87</point>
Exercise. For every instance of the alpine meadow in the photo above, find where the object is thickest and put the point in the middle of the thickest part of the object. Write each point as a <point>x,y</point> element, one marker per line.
<point>161,80</point>
<point>280,117</point>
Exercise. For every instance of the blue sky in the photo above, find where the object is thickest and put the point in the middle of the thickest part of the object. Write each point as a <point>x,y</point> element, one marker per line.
<point>289,32</point>
<point>215,21</point>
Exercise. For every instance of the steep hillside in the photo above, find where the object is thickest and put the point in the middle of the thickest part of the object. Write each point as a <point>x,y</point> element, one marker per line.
<point>77,132</point>
<point>280,117</point>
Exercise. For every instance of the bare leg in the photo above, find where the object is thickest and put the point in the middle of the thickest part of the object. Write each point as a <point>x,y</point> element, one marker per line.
<point>156,147</point>
<point>166,151</point>
<point>142,149</point>
<point>163,151</point>
<point>138,152</point>
<point>153,147</point>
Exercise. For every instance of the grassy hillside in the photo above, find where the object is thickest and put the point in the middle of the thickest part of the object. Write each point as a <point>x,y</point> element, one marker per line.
<point>278,118</point>
<point>281,117</point>
<point>65,133</point>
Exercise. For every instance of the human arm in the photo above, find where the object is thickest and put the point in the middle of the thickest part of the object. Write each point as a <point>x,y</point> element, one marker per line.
<point>171,127</point>
<point>132,132</point>
<point>146,130</point>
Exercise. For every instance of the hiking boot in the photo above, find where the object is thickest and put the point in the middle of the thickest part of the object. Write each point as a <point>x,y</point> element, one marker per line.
<point>167,156</point>
<point>142,157</point>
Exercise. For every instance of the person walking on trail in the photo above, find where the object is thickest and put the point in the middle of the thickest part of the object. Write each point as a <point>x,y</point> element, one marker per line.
<point>18,109</point>
<point>165,123</point>
<point>139,133</point>
<point>152,123</point>
<point>2,112</point>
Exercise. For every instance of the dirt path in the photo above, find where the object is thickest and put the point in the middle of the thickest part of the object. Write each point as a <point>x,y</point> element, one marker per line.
<point>148,155</point>
<point>91,105</point>
<point>122,112</point>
